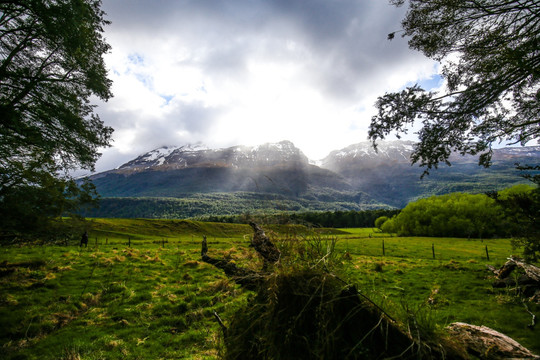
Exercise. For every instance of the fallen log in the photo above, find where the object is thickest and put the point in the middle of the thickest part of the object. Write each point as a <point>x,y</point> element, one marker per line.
<point>486,343</point>
<point>528,282</point>
<point>531,271</point>
<point>246,278</point>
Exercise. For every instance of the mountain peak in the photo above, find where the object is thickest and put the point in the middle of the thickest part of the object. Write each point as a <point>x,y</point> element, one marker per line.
<point>198,155</point>
<point>387,152</point>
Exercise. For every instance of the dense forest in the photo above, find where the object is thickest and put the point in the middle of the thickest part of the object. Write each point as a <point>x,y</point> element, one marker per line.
<point>218,204</point>
<point>328,219</point>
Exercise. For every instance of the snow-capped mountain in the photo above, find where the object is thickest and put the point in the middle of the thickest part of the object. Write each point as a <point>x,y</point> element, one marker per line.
<point>269,154</point>
<point>353,178</point>
<point>363,155</point>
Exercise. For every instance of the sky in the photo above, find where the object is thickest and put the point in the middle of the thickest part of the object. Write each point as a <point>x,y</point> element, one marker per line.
<point>247,72</point>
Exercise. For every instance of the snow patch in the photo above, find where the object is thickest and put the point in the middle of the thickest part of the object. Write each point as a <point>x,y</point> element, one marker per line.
<point>158,153</point>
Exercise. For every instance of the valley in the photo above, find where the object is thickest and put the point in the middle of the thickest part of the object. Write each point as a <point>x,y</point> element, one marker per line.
<point>191,181</point>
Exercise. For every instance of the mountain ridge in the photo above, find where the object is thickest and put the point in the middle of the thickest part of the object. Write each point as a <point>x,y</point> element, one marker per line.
<point>355,177</point>
<point>235,156</point>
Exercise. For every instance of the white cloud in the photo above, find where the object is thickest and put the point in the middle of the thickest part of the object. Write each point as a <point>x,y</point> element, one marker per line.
<point>235,72</point>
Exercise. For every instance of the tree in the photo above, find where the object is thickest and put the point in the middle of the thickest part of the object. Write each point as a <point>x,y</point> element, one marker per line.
<point>521,204</point>
<point>379,222</point>
<point>490,52</point>
<point>50,66</point>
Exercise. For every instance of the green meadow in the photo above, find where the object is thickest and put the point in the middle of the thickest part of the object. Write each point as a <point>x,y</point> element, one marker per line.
<point>140,291</point>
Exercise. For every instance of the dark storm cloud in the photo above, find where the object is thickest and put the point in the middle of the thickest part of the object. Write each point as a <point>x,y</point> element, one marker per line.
<point>346,39</point>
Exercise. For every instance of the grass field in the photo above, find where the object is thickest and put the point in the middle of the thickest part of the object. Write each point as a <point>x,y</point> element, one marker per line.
<point>155,299</point>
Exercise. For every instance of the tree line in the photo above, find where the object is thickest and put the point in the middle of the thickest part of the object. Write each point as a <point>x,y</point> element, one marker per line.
<point>328,219</point>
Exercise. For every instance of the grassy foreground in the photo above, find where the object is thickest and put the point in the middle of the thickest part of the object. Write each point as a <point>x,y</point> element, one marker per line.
<point>155,299</point>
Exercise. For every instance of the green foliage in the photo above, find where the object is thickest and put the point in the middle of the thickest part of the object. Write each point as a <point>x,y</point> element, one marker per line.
<point>32,212</point>
<point>521,206</point>
<point>213,205</point>
<point>489,51</point>
<point>50,66</point>
<point>457,214</point>
<point>516,190</point>
<point>239,208</point>
<point>380,221</point>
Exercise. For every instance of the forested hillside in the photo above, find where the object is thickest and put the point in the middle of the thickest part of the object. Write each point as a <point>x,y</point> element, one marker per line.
<point>219,204</point>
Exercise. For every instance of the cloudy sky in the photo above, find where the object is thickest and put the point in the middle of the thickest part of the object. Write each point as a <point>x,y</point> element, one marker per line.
<point>233,72</point>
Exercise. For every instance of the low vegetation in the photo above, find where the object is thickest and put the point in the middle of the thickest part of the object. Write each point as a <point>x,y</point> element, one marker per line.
<point>140,289</point>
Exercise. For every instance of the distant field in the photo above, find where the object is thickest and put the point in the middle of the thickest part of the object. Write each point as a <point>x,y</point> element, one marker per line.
<point>370,242</point>
<point>156,298</point>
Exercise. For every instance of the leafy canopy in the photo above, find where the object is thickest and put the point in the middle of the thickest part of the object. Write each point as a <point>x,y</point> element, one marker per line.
<point>521,204</point>
<point>490,56</point>
<point>50,66</point>
<point>454,215</point>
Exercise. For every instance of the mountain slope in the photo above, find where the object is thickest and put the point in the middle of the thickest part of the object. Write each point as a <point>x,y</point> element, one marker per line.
<point>388,176</point>
<point>279,168</point>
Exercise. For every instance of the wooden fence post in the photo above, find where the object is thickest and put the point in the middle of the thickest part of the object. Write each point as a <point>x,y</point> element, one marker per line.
<point>487,253</point>
<point>383,252</point>
<point>433,250</point>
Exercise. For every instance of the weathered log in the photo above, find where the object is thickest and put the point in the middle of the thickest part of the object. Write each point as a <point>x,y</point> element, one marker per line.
<point>506,270</point>
<point>487,343</point>
<point>246,278</point>
<point>532,272</point>
<point>528,283</point>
